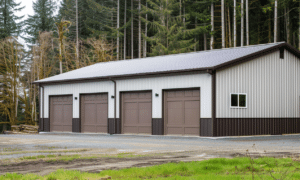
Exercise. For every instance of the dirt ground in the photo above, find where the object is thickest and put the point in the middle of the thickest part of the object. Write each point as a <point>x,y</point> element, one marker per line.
<point>114,156</point>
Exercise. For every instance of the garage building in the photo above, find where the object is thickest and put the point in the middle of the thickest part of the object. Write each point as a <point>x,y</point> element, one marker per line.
<point>252,90</point>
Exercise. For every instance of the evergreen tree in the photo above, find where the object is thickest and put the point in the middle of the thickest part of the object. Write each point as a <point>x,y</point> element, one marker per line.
<point>170,33</point>
<point>42,20</point>
<point>10,24</point>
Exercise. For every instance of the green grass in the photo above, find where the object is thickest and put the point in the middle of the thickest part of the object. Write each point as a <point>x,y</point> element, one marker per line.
<point>219,168</point>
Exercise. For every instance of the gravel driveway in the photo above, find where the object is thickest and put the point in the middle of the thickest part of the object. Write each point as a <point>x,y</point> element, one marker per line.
<point>139,143</point>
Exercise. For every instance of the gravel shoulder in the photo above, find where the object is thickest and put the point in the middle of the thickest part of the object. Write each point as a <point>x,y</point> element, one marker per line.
<point>135,151</point>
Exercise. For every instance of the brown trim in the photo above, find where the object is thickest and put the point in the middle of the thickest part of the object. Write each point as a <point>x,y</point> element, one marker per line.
<point>120,106</point>
<point>157,126</point>
<point>76,125</point>
<point>46,124</point>
<point>206,127</point>
<point>257,126</point>
<point>163,104</point>
<point>79,101</point>
<point>213,104</point>
<point>49,114</point>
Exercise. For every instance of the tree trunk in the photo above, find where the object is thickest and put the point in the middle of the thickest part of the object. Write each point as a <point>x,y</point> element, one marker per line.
<point>77,42</point>
<point>140,30</point>
<point>180,5</point>
<point>270,27</point>
<point>205,44</point>
<point>223,24</point>
<point>299,29</point>
<point>118,27</point>
<point>234,23</point>
<point>275,22</point>
<point>242,22</point>
<point>287,20</point>
<point>125,9</point>
<point>146,31</point>
<point>247,22</point>
<point>212,26</point>
<point>131,29</point>
<point>195,46</point>
<point>229,27</point>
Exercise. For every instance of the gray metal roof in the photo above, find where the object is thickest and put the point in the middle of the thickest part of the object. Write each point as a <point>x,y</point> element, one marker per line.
<point>167,63</point>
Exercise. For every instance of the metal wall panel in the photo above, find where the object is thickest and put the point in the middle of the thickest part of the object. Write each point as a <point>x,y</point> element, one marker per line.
<point>156,84</point>
<point>272,86</point>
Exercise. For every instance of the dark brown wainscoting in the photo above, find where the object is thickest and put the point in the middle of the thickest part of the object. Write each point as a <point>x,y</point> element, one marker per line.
<point>206,127</point>
<point>157,126</point>
<point>114,127</point>
<point>41,124</point>
<point>46,124</point>
<point>76,125</point>
<point>257,126</point>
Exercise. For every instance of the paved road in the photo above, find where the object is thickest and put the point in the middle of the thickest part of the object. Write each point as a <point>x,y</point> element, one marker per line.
<point>260,144</point>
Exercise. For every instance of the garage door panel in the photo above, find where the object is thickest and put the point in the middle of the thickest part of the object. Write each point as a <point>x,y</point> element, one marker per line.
<point>61,113</point>
<point>67,116</point>
<point>136,112</point>
<point>94,113</point>
<point>102,110</point>
<point>182,112</point>
<point>191,131</point>
<point>175,130</point>
<point>145,130</point>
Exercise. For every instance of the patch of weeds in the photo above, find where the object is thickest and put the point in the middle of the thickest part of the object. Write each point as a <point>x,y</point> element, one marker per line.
<point>28,157</point>
<point>11,149</point>
<point>51,155</point>
<point>41,156</point>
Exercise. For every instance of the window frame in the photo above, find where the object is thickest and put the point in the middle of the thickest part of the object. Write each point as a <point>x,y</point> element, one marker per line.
<point>238,101</point>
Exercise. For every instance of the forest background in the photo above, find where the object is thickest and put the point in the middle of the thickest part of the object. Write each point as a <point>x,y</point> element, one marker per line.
<point>85,32</point>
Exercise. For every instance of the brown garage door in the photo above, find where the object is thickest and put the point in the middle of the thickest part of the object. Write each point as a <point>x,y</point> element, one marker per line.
<point>94,113</point>
<point>136,112</point>
<point>182,112</point>
<point>61,113</point>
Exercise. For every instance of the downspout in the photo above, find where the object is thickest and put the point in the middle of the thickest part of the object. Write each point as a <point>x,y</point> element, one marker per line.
<point>115,105</point>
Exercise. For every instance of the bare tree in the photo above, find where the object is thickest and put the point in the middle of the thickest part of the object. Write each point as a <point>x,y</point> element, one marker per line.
<point>242,22</point>
<point>140,30</point>
<point>118,34</point>
<point>275,22</point>
<point>223,23</point>
<point>77,41</point>
<point>131,29</point>
<point>234,23</point>
<point>62,27</point>
<point>229,27</point>
<point>146,29</point>
<point>125,9</point>
<point>212,26</point>
<point>247,22</point>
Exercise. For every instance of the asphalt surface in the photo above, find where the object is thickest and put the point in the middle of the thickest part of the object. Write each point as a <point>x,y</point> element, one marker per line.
<point>143,143</point>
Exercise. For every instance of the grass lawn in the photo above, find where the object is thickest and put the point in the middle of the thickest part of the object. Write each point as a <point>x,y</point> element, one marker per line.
<point>213,169</point>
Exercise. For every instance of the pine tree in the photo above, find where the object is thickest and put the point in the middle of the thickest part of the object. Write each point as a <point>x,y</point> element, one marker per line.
<point>10,24</point>
<point>42,20</point>
<point>170,35</point>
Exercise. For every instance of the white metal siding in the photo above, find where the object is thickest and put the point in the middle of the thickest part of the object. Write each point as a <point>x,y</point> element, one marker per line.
<point>272,86</point>
<point>156,84</point>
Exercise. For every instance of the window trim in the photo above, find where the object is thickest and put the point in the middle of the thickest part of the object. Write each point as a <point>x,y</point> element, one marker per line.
<point>238,107</point>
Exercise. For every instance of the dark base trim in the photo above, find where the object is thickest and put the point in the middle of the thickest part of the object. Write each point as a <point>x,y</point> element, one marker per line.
<point>41,124</point>
<point>157,126</point>
<point>76,125</point>
<point>114,127</point>
<point>46,124</point>
<point>256,126</point>
<point>206,127</point>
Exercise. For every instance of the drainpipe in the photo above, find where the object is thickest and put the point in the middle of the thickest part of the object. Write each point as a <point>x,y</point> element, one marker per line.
<point>115,104</point>
<point>43,104</point>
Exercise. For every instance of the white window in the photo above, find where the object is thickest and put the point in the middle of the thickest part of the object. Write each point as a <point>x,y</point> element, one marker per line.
<point>238,100</point>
